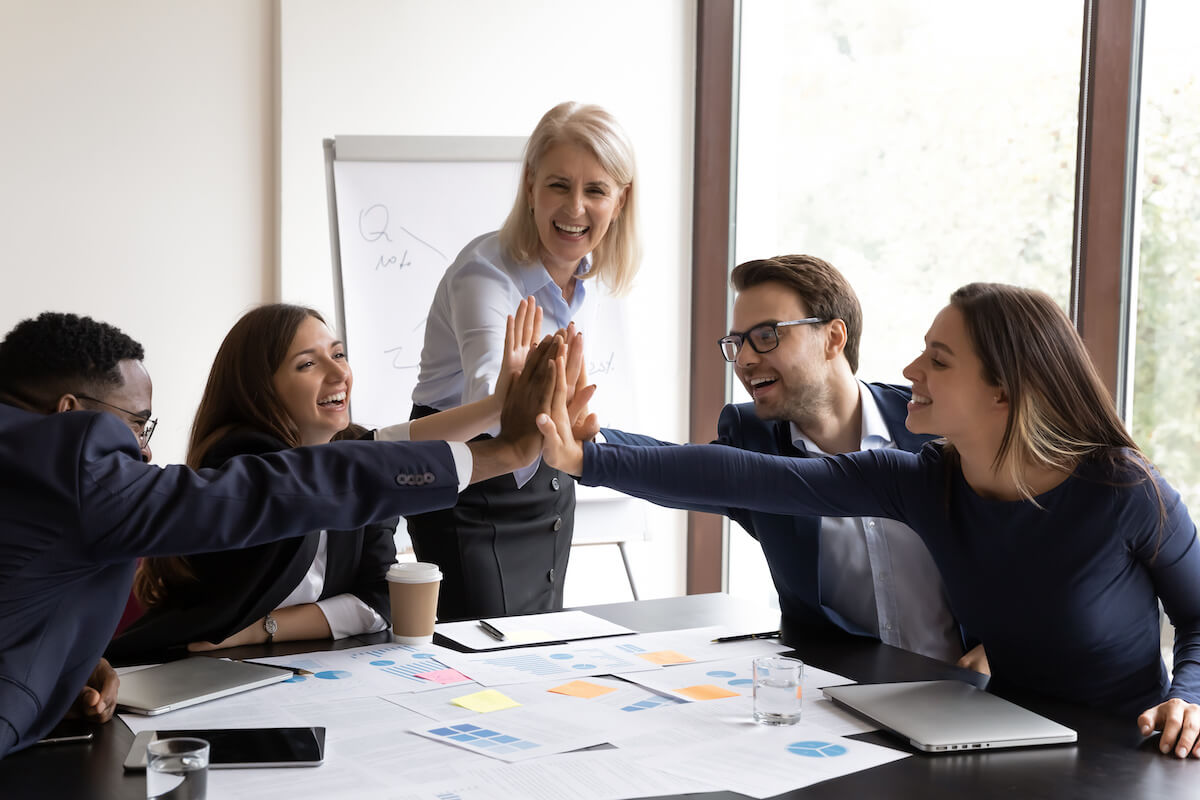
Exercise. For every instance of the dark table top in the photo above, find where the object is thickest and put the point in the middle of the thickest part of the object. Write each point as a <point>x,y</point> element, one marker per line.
<point>1110,759</point>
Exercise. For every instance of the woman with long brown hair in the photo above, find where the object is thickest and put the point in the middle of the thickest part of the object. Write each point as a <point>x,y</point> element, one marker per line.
<point>1055,536</point>
<point>281,380</point>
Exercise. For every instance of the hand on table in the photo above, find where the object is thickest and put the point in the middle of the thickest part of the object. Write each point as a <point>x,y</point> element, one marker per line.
<point>1179,722</point>
<point>98,698</point>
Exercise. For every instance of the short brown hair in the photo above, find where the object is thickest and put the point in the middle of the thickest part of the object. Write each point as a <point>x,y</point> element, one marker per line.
<point>825,291</point>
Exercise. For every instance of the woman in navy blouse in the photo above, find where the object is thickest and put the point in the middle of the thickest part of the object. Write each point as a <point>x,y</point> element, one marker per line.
<point>1054,534</point>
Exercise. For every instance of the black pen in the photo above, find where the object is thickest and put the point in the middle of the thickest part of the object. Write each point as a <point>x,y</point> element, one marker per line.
<point>491,630</point>
<point>742,637</point>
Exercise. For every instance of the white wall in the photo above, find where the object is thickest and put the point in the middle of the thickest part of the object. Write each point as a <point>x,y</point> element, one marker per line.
<point>482,68</point>
<point>137,144</point>
<point>143,169</point>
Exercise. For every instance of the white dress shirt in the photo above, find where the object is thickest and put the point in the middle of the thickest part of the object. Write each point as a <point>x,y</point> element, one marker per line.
<point>877,573</point>
<point>464,333</point>
<point>346,614</point>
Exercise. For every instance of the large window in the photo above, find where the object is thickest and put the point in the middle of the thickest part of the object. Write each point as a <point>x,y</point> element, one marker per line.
<point>917,146</point>
<point>1166,371</point>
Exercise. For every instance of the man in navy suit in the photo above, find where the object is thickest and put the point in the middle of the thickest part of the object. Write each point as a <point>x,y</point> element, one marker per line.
<point>78,504</point>
<point>794,344</point>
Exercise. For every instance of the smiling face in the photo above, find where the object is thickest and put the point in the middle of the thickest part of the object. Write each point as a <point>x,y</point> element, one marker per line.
<point>313,383</point>
<point>950,396</point>
<point>574,200</point>
<point>790,382</point>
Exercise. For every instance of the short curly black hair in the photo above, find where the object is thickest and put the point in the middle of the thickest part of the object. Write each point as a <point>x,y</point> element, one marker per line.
<point>58,353</point>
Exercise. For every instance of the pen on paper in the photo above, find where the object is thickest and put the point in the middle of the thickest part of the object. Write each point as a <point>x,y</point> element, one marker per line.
<point>491,630</point>
<point>742,637</point>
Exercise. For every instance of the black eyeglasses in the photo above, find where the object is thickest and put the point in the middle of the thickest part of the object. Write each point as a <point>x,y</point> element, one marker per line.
<point>142,426</point>
<point>762,338</point>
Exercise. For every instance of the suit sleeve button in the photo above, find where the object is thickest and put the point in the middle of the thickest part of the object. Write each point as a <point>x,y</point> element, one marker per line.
<point>557,523</point>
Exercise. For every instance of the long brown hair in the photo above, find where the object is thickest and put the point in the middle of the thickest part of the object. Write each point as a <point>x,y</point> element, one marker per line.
<point>1060,412</point>
<point>240,393</point>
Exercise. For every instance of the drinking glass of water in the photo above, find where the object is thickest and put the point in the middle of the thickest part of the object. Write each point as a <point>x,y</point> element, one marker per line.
<point>777,690</point>
<point>177,769</point>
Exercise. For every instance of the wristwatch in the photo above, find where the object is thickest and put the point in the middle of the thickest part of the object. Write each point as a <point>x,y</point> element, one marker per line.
<point>271,626</point>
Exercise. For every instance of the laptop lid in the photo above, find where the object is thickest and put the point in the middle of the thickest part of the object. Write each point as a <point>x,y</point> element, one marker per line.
<point>940,716</point>
<point>179,684</point>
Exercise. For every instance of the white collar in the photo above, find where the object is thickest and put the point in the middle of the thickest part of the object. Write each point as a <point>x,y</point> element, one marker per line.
<point>875,433</point>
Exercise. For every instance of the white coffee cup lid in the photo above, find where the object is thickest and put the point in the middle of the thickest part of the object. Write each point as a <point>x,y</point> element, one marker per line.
<point>414,572</point>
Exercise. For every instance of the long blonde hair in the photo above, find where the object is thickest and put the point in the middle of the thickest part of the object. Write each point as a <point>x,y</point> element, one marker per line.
<point>616,259</point>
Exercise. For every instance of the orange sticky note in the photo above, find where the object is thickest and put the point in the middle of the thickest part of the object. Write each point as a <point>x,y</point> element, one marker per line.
<point>706,691</point>
<point>582,689</point>
<point>666,657</point>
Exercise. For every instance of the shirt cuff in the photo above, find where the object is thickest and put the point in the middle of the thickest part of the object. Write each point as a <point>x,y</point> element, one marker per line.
<point>393,433</point>
<point>464,463</point>
<point>349,616</point>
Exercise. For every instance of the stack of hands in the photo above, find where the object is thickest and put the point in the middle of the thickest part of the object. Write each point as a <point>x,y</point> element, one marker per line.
<point>545,408</point>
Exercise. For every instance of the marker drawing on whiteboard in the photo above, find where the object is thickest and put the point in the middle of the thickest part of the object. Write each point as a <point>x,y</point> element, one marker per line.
<point>399,359</point>
<point>602,367</point>
<point>391,261</point>
<point>373,222</point>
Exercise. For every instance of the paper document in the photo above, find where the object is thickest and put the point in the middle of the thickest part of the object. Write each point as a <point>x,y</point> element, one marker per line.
<point>716,679</point>
<point>560,626</point>
<point>519,734</point>
<point>764,761</point>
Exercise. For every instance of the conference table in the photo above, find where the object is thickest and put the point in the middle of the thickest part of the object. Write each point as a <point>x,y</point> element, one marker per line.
<point>1110,759</point>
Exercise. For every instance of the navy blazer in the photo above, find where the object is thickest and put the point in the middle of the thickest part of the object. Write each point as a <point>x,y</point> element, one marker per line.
<point>77,506</point>
<point>791,544</point>
<point>233,588</point>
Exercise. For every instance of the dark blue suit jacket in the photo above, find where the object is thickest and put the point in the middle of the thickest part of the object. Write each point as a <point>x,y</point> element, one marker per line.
<point>77,506</point>
<point>791,544</point>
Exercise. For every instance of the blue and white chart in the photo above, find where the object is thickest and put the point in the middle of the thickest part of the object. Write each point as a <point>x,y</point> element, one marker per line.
<point>370,670</point>
<point>552,662</point>
<point>520,734</point>
<point>771,761</point>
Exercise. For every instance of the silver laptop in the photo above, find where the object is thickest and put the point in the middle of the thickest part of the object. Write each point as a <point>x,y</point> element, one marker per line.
<point>179,684</point>
<point>940,716</point>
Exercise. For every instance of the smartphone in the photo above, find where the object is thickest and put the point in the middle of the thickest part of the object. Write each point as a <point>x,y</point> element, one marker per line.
<point>70,730</point>
<point>239,748</point>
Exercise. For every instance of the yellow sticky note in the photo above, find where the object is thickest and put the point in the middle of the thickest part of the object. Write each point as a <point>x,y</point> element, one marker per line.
<point>487,700</point>
<point>706,691</point>
<point>666,657</point>
<point>582,689</point>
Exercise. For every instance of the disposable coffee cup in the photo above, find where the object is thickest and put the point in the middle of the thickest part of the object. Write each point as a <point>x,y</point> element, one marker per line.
<point>413,588</point>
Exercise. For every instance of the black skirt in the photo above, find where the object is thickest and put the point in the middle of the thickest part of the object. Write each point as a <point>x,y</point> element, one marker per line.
<point>502,550</point>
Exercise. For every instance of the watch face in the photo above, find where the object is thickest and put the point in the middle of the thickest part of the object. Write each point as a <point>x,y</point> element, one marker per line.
<point>271,625</point>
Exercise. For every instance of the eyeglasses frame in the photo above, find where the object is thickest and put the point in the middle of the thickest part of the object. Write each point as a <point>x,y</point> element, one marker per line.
<point>741,339</point>
<point>147,422</point>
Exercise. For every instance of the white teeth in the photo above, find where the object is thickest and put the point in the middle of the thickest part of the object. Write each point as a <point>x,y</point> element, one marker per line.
<point>340,397</point>
<point>572,229</point>
<point>921,400</point>
<point>760,381</point>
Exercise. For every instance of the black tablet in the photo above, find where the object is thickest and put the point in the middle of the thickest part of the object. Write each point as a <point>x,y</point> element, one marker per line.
<point>233,748</point>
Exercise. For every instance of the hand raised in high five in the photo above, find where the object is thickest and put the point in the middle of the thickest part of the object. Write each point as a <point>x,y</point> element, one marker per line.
<point>560,449</point>
<point>520,336</point>
<point>584,425</point>
<point>530,394</point>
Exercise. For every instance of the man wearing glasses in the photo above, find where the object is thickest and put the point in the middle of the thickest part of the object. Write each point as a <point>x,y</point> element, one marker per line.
<point>78,506</point>
<point>794,346</point>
